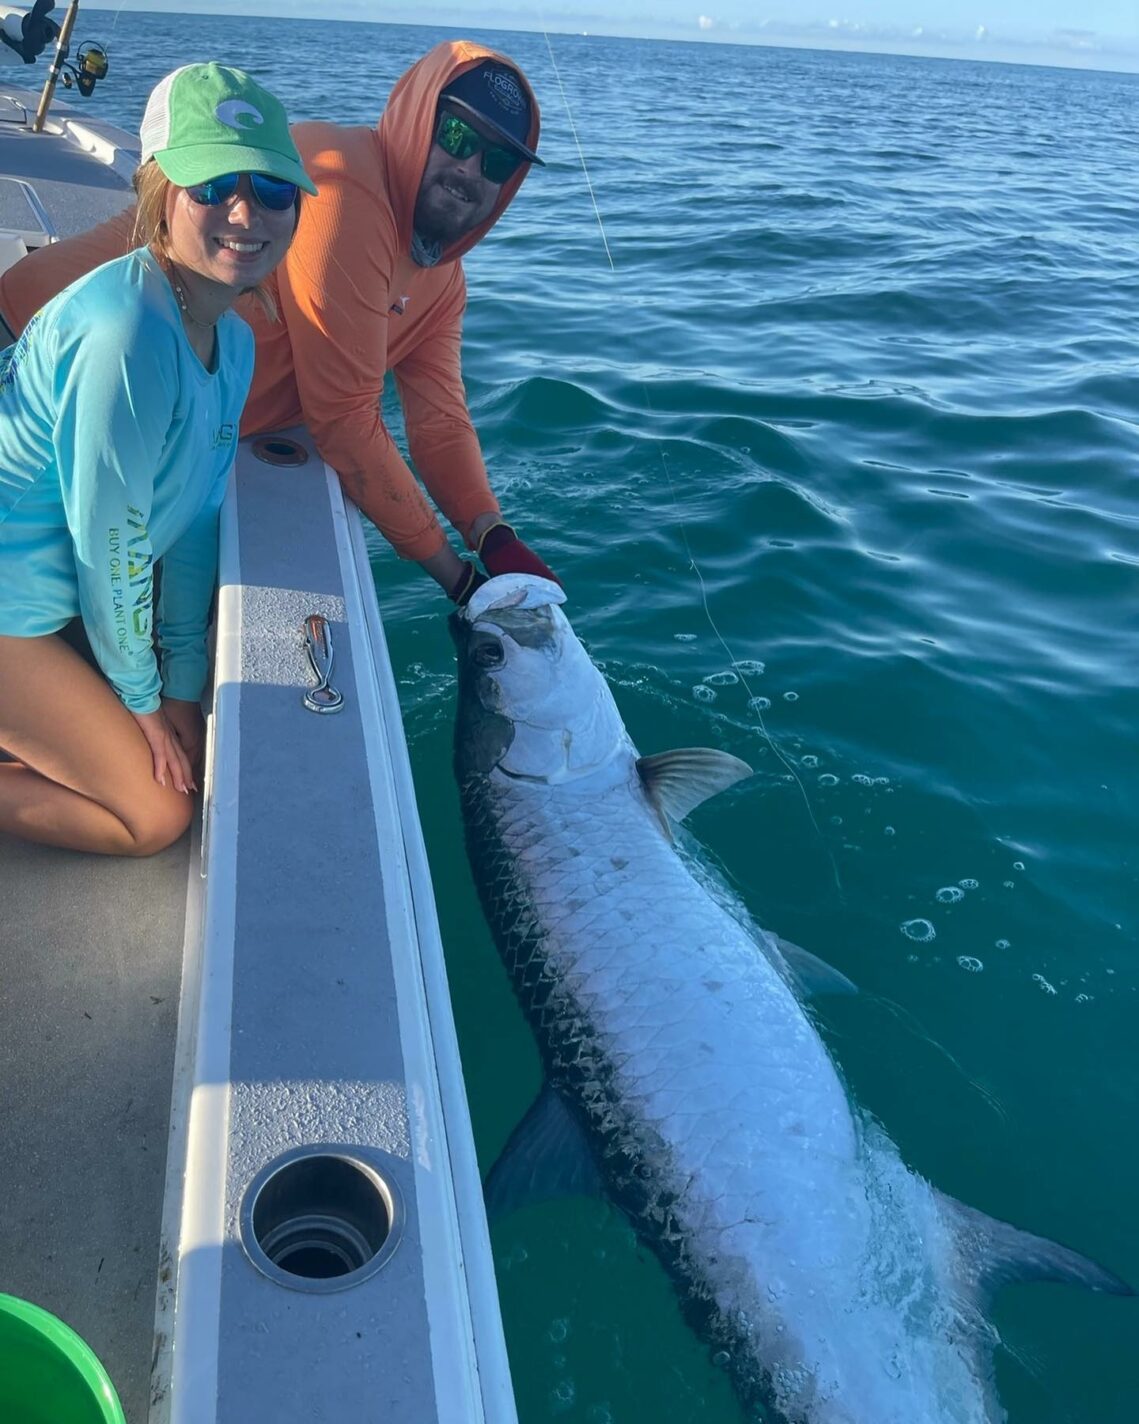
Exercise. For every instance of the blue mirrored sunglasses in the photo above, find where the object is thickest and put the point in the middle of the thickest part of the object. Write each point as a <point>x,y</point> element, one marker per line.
<point>272,193</point>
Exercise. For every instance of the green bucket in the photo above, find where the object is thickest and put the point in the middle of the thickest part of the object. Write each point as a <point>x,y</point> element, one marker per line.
<point>48,1375</point>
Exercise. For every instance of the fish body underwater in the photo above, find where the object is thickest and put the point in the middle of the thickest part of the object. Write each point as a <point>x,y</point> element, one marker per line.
<point>685,1080</point>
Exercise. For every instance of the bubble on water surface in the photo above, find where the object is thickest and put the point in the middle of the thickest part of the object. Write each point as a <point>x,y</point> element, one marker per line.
<point>750,667</point>
<point>1018,865</point>
<point>721,679</point>
<point>810,761</point>
<point>1003,944</point>
<point>721,1358</point>
<point>920,930</point>
<point>969,884</point>
<point>685,637</point>
<point>790,697</point>
<point>889,831</point>
<point>759,704</point>
<point>558,1331</point>
<point>703,694</point>
<point>949,895</point>
<point>1044,984</point>
<point>1083,998</point>
<point>969,962</point>
<point>881,781</point>
<point>562,1396</point>
<point>599,1414</point>
<point>828,778</point>
<point>836,820</point>
<point>861,779</point>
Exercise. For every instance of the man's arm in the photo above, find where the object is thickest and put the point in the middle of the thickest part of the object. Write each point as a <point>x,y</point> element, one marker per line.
<point>440,435</point>
<point>334,287</point>
<point>446,449</point>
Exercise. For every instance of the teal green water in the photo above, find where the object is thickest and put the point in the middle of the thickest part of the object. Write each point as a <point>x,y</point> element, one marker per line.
<point>836,461</point>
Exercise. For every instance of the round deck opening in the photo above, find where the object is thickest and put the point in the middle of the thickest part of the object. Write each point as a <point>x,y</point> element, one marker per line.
<point>320,1219</point>
<point>280,450</point>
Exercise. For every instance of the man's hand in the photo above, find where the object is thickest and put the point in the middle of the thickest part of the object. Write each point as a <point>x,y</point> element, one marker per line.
<point>502,552</point>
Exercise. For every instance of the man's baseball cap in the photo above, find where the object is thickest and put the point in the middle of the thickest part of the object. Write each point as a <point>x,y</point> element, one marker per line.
<point>492,93</point>
<point>207,119</point>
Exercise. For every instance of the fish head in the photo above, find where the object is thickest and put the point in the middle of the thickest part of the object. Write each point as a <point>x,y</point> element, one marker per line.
<point>532,705</point>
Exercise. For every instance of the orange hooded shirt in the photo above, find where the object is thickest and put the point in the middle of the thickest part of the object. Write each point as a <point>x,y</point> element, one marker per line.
<point>353,305</point>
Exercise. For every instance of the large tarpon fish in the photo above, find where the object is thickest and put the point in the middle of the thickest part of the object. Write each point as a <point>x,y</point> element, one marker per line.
<point>685,1079</point>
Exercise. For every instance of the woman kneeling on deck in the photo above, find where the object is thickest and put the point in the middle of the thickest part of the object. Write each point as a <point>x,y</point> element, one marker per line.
<point>119,409</point>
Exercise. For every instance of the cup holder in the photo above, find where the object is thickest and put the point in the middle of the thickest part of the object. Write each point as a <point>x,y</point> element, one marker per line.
<point>280,450</point>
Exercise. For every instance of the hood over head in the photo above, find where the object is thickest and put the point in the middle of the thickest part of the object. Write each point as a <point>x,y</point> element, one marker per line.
<point>407,129</point>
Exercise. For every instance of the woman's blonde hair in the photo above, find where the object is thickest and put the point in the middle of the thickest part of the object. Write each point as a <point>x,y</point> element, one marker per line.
<point>153,189</point>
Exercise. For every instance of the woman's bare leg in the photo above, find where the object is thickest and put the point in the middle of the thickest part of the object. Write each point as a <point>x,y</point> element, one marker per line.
<point>83,777</point>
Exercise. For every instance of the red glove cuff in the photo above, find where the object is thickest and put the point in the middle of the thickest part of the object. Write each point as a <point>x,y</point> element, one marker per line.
<point>502,552</point>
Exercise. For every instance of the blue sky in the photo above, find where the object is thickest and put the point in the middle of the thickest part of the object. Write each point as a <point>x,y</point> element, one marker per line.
<point>1101,34</point>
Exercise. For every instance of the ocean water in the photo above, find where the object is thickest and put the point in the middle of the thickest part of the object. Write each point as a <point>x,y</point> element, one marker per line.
<point>814,377</point>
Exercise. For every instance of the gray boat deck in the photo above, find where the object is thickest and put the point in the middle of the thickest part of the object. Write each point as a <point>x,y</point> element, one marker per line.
<point>90,972</point>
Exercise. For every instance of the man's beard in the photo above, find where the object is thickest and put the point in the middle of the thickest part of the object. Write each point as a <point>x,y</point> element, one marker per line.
<point>444,222</point>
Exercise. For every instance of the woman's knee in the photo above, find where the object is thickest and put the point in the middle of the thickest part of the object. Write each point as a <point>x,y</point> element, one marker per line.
<point>160,826</point>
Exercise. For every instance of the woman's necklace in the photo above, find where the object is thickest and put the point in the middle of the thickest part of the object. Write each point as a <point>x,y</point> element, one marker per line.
<point>184,301</point>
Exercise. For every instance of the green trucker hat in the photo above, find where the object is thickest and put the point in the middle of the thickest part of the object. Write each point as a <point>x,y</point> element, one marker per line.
<point>207,119</point>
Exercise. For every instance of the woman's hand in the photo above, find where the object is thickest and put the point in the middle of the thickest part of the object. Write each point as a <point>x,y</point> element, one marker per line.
<point>166,749</point>
<point>189,727</point>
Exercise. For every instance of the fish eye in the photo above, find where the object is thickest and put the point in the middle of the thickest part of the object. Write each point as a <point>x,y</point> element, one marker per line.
<point>489,654</point>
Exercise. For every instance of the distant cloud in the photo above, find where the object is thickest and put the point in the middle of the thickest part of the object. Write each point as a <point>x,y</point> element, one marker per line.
<point>1077,39</point>
<point>706,23</point>
<point>982,33</point>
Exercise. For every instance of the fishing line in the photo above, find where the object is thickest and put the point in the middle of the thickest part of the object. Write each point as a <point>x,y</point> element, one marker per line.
<point>580,150</point>
<point>693,565</point>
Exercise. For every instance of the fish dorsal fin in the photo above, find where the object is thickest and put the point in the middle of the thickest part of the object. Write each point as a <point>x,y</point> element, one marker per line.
<point>993,1254</point>
<point>546,1157</point>
<point>677,782</point>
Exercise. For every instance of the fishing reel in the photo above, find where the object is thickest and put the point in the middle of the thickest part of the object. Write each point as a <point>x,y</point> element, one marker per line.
<point>91,65</point>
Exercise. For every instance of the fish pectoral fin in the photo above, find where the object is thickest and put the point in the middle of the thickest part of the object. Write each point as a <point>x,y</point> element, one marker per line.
<point>812,974</point>
<point>996,1254</point>
<point>677,782</point>
<point>546,1158</point>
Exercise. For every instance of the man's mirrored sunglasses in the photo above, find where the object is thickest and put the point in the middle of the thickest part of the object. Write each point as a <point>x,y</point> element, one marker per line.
<point>456,137</point>
<point>272,193</point>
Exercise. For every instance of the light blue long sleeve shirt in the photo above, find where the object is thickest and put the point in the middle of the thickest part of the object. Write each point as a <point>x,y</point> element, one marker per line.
<point>115,448</point>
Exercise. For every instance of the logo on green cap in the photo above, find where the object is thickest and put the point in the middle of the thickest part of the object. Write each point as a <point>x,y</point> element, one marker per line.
<point>237,114</point>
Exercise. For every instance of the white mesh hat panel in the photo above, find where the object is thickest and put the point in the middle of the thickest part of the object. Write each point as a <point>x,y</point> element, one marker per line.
<point>154,135</point>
